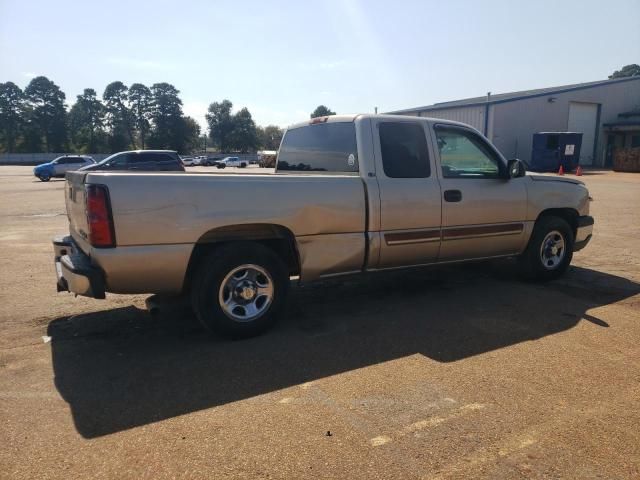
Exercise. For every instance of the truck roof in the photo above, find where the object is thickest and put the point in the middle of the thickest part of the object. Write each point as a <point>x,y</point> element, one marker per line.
<point>149,151</point>
<point>353,117</point>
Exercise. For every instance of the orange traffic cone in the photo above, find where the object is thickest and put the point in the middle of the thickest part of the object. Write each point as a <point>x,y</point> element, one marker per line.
<point>561,170</point>
<point>579,171</point>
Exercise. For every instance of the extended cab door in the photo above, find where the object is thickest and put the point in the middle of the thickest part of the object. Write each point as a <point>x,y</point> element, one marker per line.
<point>410,198</point>
<point>483,210</point>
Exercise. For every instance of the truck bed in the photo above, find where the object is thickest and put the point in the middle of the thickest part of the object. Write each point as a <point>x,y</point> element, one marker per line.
<point>172,212</point>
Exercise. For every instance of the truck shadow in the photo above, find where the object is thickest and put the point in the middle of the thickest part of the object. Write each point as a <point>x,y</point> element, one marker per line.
<point>121,368</point>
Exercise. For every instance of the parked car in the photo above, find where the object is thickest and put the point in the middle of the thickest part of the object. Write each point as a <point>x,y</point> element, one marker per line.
<point>144,160</point>
<point>187,161</point>
<point>351,194</point>
<point>211,161</point>
<point>231,162</point>
<point>61,165</point>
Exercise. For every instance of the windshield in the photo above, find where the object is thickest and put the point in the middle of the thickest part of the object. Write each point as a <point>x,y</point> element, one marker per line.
<point>102,162</point>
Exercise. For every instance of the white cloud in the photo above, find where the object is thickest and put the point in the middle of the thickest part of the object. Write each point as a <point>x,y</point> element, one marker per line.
<point>196,110</point>
<point>30,74</point>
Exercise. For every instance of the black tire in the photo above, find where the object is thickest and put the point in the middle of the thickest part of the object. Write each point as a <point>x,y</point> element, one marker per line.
<point>44,178</point>
<point>210,275</point>
<point>243,165</point>
<point>221,165</point>
<point>533,265</point>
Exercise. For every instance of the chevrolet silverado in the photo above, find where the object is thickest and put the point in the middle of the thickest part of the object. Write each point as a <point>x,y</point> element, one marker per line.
<point>350,194</point>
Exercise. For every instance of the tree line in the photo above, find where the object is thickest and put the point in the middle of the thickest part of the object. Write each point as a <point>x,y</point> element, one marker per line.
<point>36,119</point>
<point>238,132</point>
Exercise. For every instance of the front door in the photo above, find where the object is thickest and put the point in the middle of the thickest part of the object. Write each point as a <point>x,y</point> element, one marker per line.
<point>614,140</point>
<point>409,194</point>
<point>483,211</point>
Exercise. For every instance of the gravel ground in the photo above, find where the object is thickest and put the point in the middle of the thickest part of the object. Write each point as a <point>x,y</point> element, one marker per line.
<point>463,372</point>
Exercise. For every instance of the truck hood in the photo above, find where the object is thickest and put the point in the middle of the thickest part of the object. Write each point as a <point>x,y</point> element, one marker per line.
<point>550,178</point>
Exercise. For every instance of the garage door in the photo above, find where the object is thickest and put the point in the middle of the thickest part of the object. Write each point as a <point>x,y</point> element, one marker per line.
<point>583,118</point>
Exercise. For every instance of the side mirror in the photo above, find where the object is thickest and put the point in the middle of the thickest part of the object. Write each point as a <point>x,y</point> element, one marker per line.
<point>516,168</point>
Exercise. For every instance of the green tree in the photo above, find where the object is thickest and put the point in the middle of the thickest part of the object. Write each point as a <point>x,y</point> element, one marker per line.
<point>221,124</point>
<point>321,111</point>
<point>190,137</point>
<point>632,70</point>
<point>166,114</point>
<point>119,117</point>
<point>141,102</point>
<point>270,137</point>
<point>86,119</point>
<point>11,111</point>
<point>244,136</point>
<point>47,113</point>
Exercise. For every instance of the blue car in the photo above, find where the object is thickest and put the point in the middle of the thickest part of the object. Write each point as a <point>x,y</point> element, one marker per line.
<point>61,165</point>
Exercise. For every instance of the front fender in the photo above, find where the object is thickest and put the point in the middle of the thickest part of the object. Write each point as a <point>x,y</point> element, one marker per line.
<point>553,193</point>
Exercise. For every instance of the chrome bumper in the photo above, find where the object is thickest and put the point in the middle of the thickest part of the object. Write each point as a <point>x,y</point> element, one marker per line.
<point>74,272</point>
<point>584,232</point>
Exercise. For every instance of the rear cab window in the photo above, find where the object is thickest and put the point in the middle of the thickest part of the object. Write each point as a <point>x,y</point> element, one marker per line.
<point>328,147</point>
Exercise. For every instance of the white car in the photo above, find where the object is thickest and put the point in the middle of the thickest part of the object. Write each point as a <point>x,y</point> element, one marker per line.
<point>187,161</point>
<point>231,162</point>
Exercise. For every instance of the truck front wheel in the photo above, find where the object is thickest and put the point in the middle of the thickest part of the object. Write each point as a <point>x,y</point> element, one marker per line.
<point>550,249</point>
<point>239,289</point>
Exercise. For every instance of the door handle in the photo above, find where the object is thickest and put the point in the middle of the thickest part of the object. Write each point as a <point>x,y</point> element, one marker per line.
<point>452,195</point>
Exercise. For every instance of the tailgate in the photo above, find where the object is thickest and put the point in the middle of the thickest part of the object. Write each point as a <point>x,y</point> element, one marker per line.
<point>75,203</point>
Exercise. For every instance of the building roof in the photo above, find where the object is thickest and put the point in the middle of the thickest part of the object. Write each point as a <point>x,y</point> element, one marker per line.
<point>513,96</point>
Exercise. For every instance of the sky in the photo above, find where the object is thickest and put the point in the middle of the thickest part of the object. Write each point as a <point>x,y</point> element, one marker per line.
<point>281,59</point>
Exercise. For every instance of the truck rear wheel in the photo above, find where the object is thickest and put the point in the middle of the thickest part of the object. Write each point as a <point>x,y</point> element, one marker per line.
<point>550,249</point>
<point>240,289</point>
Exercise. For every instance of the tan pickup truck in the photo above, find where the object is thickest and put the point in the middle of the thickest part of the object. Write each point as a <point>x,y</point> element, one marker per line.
<point>350,194</point>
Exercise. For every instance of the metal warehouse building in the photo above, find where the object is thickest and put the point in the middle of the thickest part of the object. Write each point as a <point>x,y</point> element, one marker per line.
<point>509,120</point>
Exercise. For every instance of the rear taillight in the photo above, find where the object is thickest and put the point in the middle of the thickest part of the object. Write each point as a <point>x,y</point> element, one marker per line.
<point>101,232</point>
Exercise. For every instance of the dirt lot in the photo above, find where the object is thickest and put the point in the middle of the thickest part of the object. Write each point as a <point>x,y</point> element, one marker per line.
<point>464,372</point>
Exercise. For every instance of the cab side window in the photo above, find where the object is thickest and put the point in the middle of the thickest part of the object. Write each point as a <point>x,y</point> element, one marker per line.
<point>404,150</point>
<point>463,154</point>
<point>119,161</point>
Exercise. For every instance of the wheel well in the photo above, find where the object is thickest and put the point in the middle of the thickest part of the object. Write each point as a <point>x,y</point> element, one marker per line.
<point>568,214</point>
<point>276,237</point>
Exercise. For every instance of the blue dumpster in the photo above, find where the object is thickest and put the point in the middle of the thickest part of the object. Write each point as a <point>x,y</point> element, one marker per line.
<point>552,149</point>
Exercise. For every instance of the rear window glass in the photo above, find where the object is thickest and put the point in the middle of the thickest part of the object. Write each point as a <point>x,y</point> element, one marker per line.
<point>324,147</point>
<point>150,157</point>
